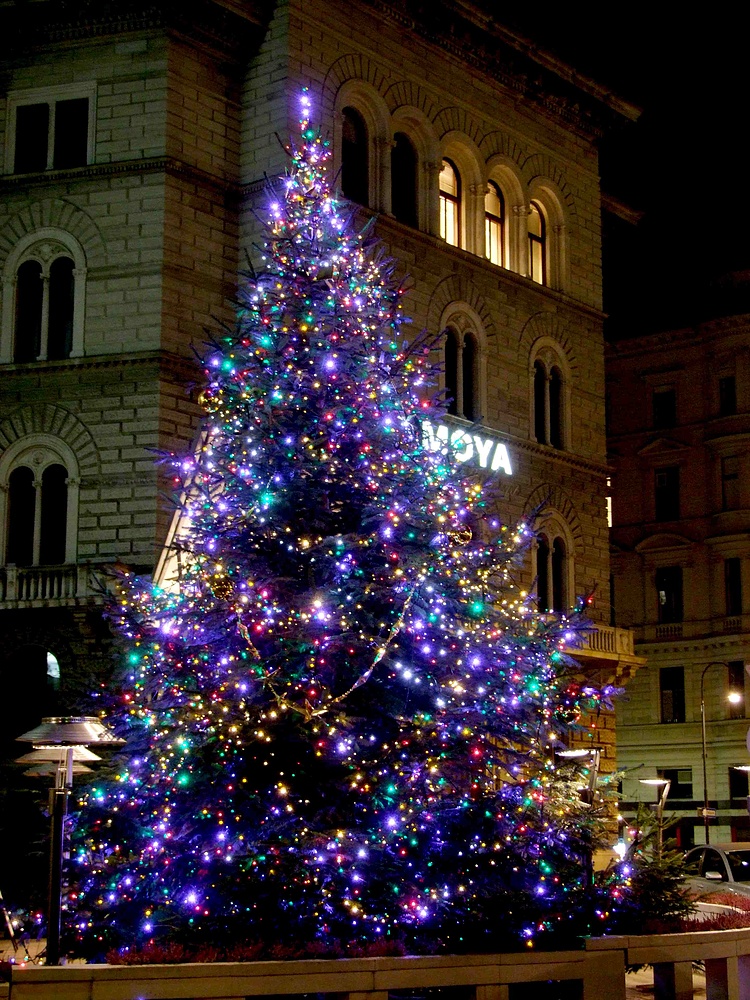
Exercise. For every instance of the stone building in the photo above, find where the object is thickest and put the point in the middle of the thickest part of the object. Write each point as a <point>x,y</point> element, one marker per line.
<point>681,544</point>
<point>136,140</point>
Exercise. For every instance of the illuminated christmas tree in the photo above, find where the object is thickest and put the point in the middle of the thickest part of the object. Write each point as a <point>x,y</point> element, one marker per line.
<point>342,723</point>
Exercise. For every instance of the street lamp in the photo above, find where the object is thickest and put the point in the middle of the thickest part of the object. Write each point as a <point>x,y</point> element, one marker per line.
<point>734,697</point>
<point>665,784</point>
<point>60,748</point>
<point>588,793</point>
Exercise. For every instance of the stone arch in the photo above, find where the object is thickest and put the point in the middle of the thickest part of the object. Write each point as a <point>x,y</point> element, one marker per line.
<point>56,421</point>
<point>539,169</point>
<point>500,144</point>
<point>352,66</point>
<point>548,325</point>
<point>454,119</point>
<point>457,288</point>
<point>405,93</point>
<point>53,214</point>
<point>546,496</point>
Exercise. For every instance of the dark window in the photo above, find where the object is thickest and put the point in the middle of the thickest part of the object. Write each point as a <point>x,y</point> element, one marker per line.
<point>451,370</point>
<point>736,686</point>
<point>672,688</point>
<point>542,573</point>
<point>28,320</point>
<point>60,329</point>
<point>669,594</point>
<point>730,483</point>
<point>468,377</point>
<point>727,396</point>
<point>537,245</point>
<point>71,133</point>
<point>681,778</point>
<point>738,785</point>
<point>555,408</point>
<point>32,133</point>
<point>540,397</point>
<point>559,601</point>
<point>494,224</point>
<point>354,157</point>
<point>21,503</point>
<point>54,514</point>
<point>404,180</point>
<point>450,203</point>
<point>664,408</point>
<point>667,493</point>
<point>733,586</point>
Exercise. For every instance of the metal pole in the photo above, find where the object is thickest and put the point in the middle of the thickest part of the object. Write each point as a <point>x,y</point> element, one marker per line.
<point>660,816</point>
<point>59,810</point>
<point>713,663</point>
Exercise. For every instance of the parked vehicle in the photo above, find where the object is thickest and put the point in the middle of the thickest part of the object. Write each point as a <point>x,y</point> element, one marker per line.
<point>719,867</point>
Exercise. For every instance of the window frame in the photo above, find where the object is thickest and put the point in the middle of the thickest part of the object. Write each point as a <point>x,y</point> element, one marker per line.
<point>39,452</point>
<point>446,198</point>
<point>45,246</point>
<point>49,96</point>
<point>541,241</point>
<point>549,365</point>
<point>678,704</point>
<point>667,493</point>
<point>670,611</point>
<point>500,221</point>
<point>362,149</point>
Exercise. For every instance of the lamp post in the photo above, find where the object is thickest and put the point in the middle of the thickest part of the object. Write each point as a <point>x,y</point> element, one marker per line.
<point>587,793</point>
<point>665,784</point>
<point>734,697</point>
<point>59,742</point>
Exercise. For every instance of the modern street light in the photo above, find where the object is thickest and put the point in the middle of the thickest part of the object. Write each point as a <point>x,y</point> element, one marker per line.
<point>60,748</point>
<point>734,697</point>
<point>665,784</point>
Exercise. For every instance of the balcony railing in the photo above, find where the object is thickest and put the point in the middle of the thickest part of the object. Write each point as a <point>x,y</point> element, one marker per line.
<point>608,639</point>
<point>37,586</point>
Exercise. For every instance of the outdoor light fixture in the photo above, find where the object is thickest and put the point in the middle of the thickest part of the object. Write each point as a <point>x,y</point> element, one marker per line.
<point>588,792</point>
<point>734,697</point>
<point>665,784</point>
<point>60,751</point>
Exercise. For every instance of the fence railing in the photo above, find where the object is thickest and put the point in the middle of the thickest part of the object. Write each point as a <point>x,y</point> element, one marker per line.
<point>594,973</point>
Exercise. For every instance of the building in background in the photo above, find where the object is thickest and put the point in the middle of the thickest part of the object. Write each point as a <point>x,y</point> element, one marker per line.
<point>136,141</point>
<point>679,406</point>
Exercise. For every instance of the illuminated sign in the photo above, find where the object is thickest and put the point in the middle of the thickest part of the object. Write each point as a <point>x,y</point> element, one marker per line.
<point>466,446</point>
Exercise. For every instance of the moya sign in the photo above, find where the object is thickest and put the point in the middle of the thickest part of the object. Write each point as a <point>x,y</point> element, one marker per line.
<point>467,446</point>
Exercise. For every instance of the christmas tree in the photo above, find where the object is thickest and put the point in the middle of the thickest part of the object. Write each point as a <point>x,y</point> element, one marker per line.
<point>342,724</point>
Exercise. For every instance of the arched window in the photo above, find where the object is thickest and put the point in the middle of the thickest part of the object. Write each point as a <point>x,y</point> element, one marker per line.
<point>537,245</point>
<point>494,225</point>
<point>28,319</point>
<point>450,204</point>
<point>45,306</point>
<point>461,373</point>
<point>39,523</point>
<point>404,179</point>
<point>552,572</point>
<point>555,407</point>
<point>540,402</point>
<point>355,180</point>
<point>61,302</point>
<point>451,370</point>
<point>549,395</point>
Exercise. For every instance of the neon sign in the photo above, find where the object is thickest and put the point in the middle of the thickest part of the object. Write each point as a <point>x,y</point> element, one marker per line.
<point>466,446</point>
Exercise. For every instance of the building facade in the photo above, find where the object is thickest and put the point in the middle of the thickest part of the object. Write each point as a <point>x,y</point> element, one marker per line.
<point>136,141</point>
<point>680,407</point>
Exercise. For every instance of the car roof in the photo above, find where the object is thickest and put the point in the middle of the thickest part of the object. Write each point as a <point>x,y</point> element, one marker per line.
<point>737,845</point>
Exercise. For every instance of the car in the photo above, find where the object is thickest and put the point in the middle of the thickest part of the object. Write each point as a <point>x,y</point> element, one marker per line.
<point>719,868</point>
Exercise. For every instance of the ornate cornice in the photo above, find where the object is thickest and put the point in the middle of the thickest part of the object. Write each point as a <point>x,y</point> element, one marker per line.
<point>223,26</point>
<point>473,35</point>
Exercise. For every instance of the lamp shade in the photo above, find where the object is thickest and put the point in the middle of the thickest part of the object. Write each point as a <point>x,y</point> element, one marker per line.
<point>70,730</point>
<point>57,755</point>
<point>48,769</point>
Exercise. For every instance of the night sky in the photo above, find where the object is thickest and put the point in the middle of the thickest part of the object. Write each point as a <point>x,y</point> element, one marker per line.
<point>684,164</point>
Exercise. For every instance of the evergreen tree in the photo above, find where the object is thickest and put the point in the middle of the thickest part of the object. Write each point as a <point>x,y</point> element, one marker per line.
<point>342,724</point>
